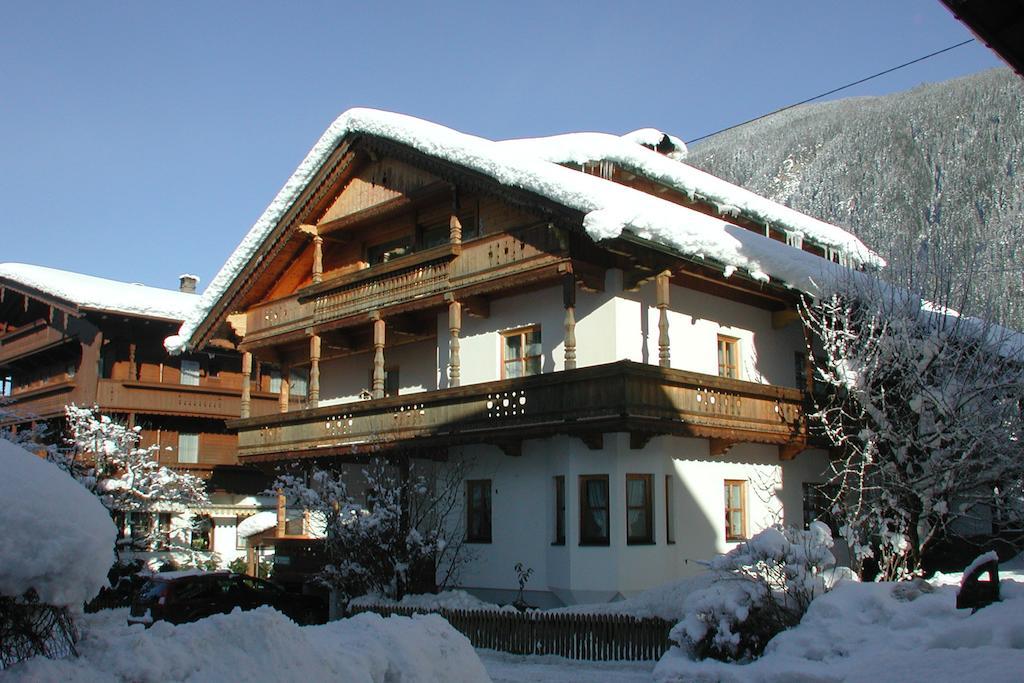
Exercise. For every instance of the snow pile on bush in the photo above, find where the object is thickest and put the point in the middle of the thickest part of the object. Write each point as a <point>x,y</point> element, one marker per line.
<point>57,537</point>
<point>761,587</point>
<point>875,632</point>
<point>264,645</point>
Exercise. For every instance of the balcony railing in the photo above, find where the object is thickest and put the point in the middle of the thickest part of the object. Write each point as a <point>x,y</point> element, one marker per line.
<point>178,399</point>
<point>618,397</point>
<point>417,279</point>
<point>37,338</point>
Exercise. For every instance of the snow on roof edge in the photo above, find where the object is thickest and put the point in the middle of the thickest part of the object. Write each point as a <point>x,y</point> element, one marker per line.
<point>609,207</point>
<point>630,152</point>
<point>94,293</point>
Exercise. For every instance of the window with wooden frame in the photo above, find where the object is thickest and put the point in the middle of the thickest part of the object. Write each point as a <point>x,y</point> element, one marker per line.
<point>735,510</point>
<point>559,511</point>
<point>190,372</point>
<point>639,509</point>
<point>521,353</point>
<point>188,448</point>
<point>594,509</point>
<point>478,510</point>
<point>728,357</point>
<point>670,535</point>
<point>387,251</point>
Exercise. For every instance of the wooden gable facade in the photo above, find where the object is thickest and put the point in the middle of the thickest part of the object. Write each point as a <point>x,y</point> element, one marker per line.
<point>387,247</point>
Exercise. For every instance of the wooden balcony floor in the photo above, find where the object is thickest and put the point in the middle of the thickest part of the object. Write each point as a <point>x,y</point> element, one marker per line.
<point>625,396</point>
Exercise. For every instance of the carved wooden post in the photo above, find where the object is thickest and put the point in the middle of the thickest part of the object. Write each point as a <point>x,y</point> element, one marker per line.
<point>569,301</point>
<point>286,390</point>
<point>133,368</point>
<point>282,514</point>
<point>318,258</point>
<point>455,327</point>
<point>455,230</point>
<point>314,370</point>
<point>246,384</point>
<point>378,357</point>
<point>662,285</point>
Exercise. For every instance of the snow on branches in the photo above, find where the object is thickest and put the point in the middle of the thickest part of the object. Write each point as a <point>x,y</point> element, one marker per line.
<point>105,456</point>
<point>926,409</point>
<point>389,538</point>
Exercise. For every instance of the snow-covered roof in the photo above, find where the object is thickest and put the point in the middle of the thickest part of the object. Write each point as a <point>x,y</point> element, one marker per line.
<point>631,152</point>
<point>609,208</point>
<point>58,538</point>
<point>261,521</point>
<point>100,294</point>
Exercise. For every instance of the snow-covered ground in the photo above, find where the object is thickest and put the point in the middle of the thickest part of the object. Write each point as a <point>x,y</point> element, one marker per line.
<point>885,632</point>
<point>506,668</point>
<point>262,645</point>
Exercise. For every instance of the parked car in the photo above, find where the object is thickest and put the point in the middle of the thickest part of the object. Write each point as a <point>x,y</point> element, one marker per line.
<point>180,597</point>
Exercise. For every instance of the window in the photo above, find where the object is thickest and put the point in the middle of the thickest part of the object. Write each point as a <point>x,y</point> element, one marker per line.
<point>800,363</point>
<point>639,522</point>
<point>670,536</point>
<point>190,373</point>
<point>298,382</point>
<point>817,503</point>
<point>728,357</point>
<point>201,537</point>
<point>240,541</point>
<point>382,253</point>
<point>594,509</point>
<point>735,510</point>
<point>478,511</point>
<point>521,352</point>
<point>559,511</point>
<point>188,448</point>
<point>6,384</point>
<point>275,380</point>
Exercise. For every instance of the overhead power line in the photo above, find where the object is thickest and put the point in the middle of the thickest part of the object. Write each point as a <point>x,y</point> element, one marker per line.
<point>834,90</point>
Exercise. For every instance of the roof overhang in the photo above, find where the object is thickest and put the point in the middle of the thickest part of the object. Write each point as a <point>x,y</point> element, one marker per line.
<point>997,23</point>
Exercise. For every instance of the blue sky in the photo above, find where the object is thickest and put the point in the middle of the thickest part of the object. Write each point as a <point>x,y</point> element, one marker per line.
<point>141,140</point>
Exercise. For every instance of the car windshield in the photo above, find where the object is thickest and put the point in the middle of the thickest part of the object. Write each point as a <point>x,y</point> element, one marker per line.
<point>152,591</point>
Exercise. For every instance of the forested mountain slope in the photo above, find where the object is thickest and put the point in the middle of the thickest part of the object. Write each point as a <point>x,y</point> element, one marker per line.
<point>934,176</point>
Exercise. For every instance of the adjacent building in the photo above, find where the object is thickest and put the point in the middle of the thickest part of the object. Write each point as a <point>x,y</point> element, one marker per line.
<point>68,338</point>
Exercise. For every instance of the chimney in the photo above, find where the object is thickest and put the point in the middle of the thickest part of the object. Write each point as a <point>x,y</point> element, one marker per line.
<point>187,283</point>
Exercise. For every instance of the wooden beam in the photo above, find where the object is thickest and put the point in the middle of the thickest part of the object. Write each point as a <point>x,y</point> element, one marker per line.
<point>718,447</point>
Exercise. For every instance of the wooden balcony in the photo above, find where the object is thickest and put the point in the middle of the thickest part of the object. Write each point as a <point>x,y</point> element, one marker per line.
<point>45,400</point>
<point>178,399</point>
<point>418,280</point>
<point>643,400</point>
<point>33,339</point>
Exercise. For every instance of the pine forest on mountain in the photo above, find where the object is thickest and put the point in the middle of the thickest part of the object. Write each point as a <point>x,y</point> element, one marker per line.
<point>930,178</point>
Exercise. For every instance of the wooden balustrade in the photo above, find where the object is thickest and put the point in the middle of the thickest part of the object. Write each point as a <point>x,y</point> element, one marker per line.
<point>29,341</point>
<point>616,397</point>
<point>411,279</point>
<point>178,399</point>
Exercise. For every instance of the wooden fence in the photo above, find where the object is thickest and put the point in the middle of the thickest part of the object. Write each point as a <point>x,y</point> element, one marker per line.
<point>575,636</point>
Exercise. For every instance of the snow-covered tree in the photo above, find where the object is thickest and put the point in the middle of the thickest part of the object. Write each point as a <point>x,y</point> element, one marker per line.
<point>762,587</point>
<point>107,458</point>
<point>925,409</point>
<point>393,537</point>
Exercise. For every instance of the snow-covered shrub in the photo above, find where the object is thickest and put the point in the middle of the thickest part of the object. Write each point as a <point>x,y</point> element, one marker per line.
<point>55,550</point>
<point>761,587</point>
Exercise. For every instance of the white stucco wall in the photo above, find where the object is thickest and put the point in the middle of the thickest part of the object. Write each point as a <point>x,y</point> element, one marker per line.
<point>342,379</point>
<point>523,513</point>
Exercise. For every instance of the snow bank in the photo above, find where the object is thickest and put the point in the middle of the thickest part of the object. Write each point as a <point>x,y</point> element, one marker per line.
<point>431,601</point>
<point>57,537</point>
<point>665,601</point>
<point>608,208</point>
<point>100,294</point>
<point>866,632</point>
<point>264,645</point>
